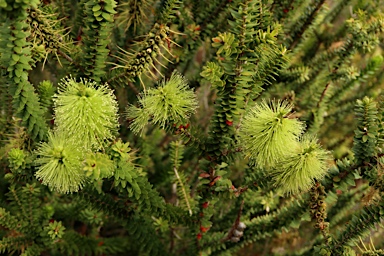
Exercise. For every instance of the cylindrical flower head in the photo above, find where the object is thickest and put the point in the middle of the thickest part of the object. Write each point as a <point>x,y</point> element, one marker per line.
<point>86,113</point>
<point>60,164</point>
<point>171,101</point>
<point>298,171</point>
<point>267,134</point>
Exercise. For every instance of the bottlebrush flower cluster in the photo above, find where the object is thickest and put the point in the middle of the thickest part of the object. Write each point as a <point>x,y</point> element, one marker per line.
<point>275,141</point>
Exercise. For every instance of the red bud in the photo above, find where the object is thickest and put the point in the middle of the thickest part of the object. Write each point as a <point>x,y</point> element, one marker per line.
<point>204,175</point>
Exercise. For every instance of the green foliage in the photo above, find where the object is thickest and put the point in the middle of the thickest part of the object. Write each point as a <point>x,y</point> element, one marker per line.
<point>15,55</point>
<point>46,92</point>
<point>185,127</point>
<point>98,166</point>
<point>16,158</point>
<point>133,12</point>
<point>55,230</point>
<point>366,135</point>
<point>129,178</point>
<point>98,26</point>
<point>184,191</point>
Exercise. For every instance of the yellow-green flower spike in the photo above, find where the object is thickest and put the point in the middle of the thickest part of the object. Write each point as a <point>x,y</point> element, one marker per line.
<point>267,133</point>
<point>86,112</point>
<point>171,102</point>
<point>298,172</point>
<point>60,164</point>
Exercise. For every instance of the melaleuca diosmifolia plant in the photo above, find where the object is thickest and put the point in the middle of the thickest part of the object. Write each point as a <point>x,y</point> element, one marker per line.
<point>191,127</point>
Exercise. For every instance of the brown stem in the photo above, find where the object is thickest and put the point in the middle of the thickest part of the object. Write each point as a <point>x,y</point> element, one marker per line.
<point>323,93</point>
<point>70,60</point>
<point>230,233</point>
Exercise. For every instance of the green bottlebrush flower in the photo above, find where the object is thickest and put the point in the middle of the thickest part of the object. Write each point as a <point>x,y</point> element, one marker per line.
<point>267,134</point>
<point>60,164</point>
<point>171,101</point>
<point>298,171</point>
<point>140,116</point>
<point>86,112</point>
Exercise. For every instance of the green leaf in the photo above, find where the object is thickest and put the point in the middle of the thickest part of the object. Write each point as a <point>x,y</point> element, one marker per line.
<point>350,181</point>
<point>17,49</point>
<point>96,8</point>
<point>106,16</point>
<point>98,13</point>
<point>331,197</point>
<point>18,72</point>
<point>109,9</point>
<point>15,57</point>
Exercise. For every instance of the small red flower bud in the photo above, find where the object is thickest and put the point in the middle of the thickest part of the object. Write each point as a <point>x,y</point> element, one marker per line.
<point>100,243</point>
<point>229,123</point>
<point>216,178</point>
<point>203,229</point>
<point>204,175</point>
<point>285,10</point>
<point>213,182</point>
<point>199,236</point>
<point>205,205</point>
